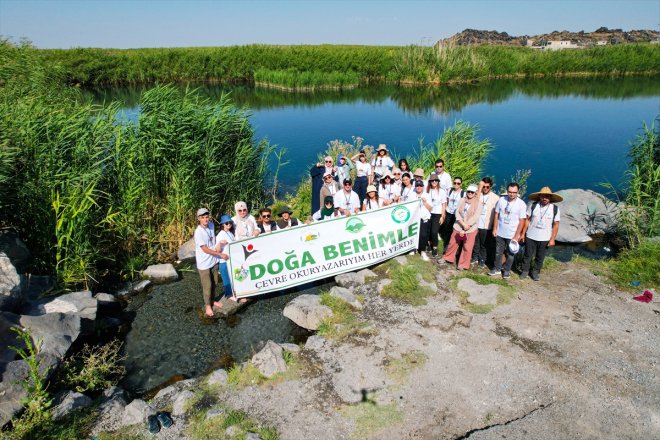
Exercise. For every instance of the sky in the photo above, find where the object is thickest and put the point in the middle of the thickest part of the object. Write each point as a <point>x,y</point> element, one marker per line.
<point>178,23</point>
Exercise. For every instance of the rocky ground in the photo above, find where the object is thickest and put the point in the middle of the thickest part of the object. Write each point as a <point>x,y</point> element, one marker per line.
<point>567,357</point>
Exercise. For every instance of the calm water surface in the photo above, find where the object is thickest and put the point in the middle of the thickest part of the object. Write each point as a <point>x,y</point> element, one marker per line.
<point>569,132</point>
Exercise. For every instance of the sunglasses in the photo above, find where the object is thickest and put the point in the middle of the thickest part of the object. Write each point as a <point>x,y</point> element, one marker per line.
<point>227,223</point>
<point>470,192</point>
<point>328,177</point>
<point>265,215</point>
<point>397,174</point>
<point>242,210</point>
<point>328,161</point>
<point>486,186</point>
<point>439,166</point>
<point>458,183</point>
<point>347,184</point>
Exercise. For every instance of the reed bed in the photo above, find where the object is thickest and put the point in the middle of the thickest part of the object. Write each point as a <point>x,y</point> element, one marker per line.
<point>90,192</point>
<point>416,64</point>
<point>311,80</point>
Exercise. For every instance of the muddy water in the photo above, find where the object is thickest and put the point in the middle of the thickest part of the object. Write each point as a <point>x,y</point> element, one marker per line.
<point>170,337</point>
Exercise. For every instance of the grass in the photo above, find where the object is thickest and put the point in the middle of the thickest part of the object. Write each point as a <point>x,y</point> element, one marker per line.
<point>506,292</point>
<point>641,263</point>
<point>398,370</point>
<point>370,418</point>
<point>344,321</point>
<point>307,80</point>
<point>405,285</point>
<point>201,428</point>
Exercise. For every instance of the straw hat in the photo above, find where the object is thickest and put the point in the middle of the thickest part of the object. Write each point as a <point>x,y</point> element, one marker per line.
<point>387,174</point>
<point>382,147</point>
<point>419,172</point>
<point>554,198</point>
<point>371,188</point>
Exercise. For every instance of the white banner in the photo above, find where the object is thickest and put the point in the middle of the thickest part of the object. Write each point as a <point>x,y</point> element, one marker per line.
<point>293,256</point>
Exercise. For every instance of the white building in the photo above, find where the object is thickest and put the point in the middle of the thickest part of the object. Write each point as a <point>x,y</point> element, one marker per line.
<point>559,45</point>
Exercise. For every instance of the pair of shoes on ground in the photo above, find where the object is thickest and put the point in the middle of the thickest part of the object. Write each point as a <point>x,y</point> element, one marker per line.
<point>505,274</point>
<point>160,419</point>
<point>424,256</point>
<point>434,253</point>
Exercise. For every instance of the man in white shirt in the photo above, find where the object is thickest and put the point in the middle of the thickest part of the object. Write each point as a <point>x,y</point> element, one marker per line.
<point>206,258</point>
<point>510,214</point>
<point>347,201</point>
<point>484,244</point>
<point>540,229</point>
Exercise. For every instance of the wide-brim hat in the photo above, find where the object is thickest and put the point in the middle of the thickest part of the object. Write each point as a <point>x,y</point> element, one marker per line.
<point>225,219</point>
<point>371,188</point>
<point>434,177</point>
<point>419,172</point>
<point>382,147</point>
<point>285,209</point>
<point>387,174</point>
<point>554,198</point>
<point>326,175</point>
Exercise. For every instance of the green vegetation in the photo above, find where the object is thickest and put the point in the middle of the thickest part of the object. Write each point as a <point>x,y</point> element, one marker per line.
<point>213,428</point>
<point>294,80</point>
<point>93,368</point>
<point>398,370</point>
<point>89,190</point>
<point>405,285</point>
<point>370,418</point>
<point>641,263</point>
<point>287,64</point>
<point>506,292</point>
<point>343,322</point>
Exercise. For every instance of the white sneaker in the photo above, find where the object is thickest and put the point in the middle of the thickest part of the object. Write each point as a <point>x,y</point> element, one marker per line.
<point>424,256</point>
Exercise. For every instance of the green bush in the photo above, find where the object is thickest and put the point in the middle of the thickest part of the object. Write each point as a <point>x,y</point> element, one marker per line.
<point>641,263</point>
<point>94,368</point>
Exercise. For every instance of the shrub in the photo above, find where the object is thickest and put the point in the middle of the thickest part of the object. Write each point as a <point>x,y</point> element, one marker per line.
<point>94,368</point>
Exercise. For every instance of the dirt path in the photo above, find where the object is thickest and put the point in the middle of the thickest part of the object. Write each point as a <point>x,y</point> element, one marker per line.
<point>568,357</point>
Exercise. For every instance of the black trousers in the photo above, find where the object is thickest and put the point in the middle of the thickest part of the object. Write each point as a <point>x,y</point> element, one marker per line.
<point>435,229</point>
<point>424,233</point>
<point>360,188</point>
<point>447,228</point>
<point>537,250</point>
<point>484,247</point>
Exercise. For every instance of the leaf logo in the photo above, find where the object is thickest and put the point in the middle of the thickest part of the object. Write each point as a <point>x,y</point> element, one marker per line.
<point>354,225</point>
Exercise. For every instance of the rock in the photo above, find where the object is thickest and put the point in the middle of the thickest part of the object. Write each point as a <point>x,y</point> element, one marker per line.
<point>14,248</point>
<point>354,279</point>
<point>423,283</point>
<point>11,391</point>
<point>11,294</point>
<point>57,331</point>
<point>382,283</point>
<point>307,311</point>
<point>366,273</point>
<point>479,293</point>
<point>584,213</point>
<point>270,360</point>
<point>291,348</point>
<point>346,295</point>
<point>105,299</point>
<point>252,436</point>
<point>401,259</point>
<point>181,401</point>
<point>114,392</point>
<point>218,377</point>
<point>460,318</point>
<point>139,286</point>
<point>161,272</point>
<point>137,412</point>
<point>215,412</point>
<point>187,250</point>
<point>69,402</point>
<point>232,431</point>
<point>77,303</point>
<point>315,342</point>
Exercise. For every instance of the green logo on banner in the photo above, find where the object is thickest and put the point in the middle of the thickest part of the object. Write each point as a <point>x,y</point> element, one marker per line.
<point>400,214</point>
<point>354,225</point>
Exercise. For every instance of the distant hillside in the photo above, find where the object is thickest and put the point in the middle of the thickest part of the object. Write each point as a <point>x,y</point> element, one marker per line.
<point>599,36</point>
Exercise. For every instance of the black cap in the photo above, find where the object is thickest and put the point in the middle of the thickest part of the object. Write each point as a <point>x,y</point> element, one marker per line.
<point>348,181</point>
<point>418,183</point>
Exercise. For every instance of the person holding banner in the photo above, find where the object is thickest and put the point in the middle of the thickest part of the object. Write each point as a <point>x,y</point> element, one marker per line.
<point>206,258</point>
<point>465,229</point>
<point>328,210</point>
<point>372,201</point>
<point>224,237</point>
<point>267,224</point>
<point>424,219</point>
<point>438,202</point>
<point>244,223</point>
<point>347,201</point>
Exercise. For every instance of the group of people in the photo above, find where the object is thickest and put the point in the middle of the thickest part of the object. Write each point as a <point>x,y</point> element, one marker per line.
<point>476,225</point>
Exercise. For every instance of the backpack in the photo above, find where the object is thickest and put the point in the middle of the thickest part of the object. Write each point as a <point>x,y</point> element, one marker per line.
<point>453,190</point>
<point>555,208</point>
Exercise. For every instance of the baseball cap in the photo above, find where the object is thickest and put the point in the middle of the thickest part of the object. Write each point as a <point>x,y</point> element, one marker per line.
<point>202,211</point>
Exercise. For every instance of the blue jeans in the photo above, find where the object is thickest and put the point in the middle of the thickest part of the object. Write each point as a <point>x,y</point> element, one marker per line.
<point>226,281</point>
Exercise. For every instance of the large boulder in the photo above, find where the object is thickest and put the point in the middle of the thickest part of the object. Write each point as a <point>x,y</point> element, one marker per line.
<point>68,402</point>
<point>78,303</point>
<point>53,334</point>
<point>270,360</point>
<point>346,295</point>
<point>11,292</point>
<point>161,272</point>
<point>585,213</point>
<point>15,250</point>
<point>307,311</point>
<point>137,412</point>
<point>187,250</point>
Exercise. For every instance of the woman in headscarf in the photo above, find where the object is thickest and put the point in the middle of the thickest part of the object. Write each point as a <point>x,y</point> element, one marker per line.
<point>244,223</point>
<point>465,229</point>
<point>327,211</point>
<point>343,168</point>
<point>329,188</point>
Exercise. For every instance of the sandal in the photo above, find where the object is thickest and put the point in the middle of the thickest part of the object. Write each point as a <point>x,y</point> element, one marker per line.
<point>152,424</point>
<point>164,419</point>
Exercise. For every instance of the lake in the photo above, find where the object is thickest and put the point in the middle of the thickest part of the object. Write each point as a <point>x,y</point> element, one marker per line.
<point>570,132</point>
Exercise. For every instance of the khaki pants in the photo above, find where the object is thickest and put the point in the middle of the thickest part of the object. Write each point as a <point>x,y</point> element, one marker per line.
<point>209,278</point>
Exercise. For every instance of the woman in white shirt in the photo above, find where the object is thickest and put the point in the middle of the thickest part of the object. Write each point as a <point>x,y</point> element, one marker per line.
<point>407,189</point>
<point>381,164</point>
<point>388,191</point>
<point>372,201</point>
<point>224,237</point>
<point>438,198</point>
<point>363,173</point>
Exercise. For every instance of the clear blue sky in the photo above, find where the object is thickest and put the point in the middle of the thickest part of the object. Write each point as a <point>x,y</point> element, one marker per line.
<point>178,23</point>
